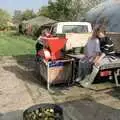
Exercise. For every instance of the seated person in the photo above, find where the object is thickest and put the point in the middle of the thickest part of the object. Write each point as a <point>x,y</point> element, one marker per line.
<point>97,54</point>
<point>92,53</point>
<point>106,47</point>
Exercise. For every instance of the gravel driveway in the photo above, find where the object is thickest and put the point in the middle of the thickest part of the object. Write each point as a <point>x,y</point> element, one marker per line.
<point>20,89</point>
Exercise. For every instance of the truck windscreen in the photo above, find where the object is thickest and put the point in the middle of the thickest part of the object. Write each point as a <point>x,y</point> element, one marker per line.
<point>75,29</point>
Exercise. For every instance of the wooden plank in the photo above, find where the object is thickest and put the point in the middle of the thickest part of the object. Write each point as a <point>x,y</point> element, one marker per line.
<point>102,86</point>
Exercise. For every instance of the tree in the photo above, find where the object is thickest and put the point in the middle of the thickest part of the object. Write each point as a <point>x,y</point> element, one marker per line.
<point>67,10</point>
<point>60,10</point>
<point>93,3</point>
<point>43,11</point>
<point>28,14</point>
<point>80,7</point>
<point>78,10</point>
<point>17,18</point>
<point>4,19</point>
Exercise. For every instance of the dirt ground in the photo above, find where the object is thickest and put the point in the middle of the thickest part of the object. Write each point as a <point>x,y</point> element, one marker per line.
<point>20,88</point>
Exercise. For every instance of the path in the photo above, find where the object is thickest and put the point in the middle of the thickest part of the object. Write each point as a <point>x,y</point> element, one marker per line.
<point>20,89</point>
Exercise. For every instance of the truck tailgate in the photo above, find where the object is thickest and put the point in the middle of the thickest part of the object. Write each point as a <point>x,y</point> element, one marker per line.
<point>112,65</point>
<point>76,40</point>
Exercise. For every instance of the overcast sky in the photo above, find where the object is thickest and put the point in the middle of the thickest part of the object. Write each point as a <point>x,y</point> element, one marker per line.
<point>11,5</point>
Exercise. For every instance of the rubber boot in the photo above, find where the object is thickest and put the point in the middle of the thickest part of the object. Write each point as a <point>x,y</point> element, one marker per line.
<point>89,79</point>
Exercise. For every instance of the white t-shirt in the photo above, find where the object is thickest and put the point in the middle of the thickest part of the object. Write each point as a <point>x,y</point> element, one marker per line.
<point>92,48</point>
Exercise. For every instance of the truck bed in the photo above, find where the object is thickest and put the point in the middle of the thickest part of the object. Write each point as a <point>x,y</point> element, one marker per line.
<point>112,65</point>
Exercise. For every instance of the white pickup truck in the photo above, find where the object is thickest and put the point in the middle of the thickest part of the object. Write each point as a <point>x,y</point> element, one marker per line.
<point>71,27</point>
<point>76,32</point>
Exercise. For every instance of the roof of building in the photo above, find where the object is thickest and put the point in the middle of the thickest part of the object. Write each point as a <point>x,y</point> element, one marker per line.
<point>40,21</point>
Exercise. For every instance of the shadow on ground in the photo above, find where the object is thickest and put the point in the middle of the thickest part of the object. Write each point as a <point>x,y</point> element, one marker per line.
<point>14,115</point>
<point>26,71</point>
<point>76,110</point>
<point>30,77</point>
<point>21,73</point>
<point>27,61</point>
<point>89,110</point>
<point>115,92</point>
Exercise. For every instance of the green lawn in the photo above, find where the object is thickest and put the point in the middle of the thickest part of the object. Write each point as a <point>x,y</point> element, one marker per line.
<point>13,45</point>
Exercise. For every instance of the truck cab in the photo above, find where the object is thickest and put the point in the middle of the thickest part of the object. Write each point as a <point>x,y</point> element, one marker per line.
<point>77,33</point>
<point>71,27</point>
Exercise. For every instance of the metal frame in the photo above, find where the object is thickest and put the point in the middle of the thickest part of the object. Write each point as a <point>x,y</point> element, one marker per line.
<point>48,74</point>
<point>48,79</point>
<point>116,74</point>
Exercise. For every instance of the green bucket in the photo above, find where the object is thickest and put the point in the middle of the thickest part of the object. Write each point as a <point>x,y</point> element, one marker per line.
<point>78,50</point>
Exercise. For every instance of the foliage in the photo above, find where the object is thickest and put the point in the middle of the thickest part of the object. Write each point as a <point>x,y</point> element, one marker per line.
<point>67,10</point>
<point>35,31</point>
<point>28,14</point>
<point>12,28</point>
<point>19,16</point>
<point>43,11</point>
<point>4,18</point>
<point>60,10</point>
<point>78,10</point>
<point>93,3</point>
<point>63,10</point>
